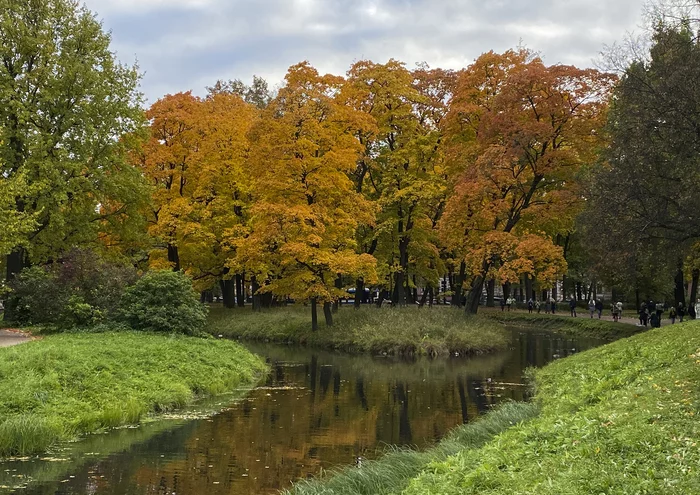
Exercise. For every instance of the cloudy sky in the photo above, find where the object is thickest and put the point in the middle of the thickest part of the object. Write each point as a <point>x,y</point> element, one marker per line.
<point>189,44</point>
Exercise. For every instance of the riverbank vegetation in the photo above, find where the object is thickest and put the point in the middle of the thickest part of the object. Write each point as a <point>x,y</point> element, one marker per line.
<point>437,331</point>
<point>64,386</point>
<point>582,326</point>
<point>616,419</point>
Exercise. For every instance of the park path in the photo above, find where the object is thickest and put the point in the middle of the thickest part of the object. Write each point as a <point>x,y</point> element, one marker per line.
<point>12,337</point>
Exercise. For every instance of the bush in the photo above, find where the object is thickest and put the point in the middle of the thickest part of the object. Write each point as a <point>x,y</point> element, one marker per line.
<point>81,289</point>
<point>163,301</point>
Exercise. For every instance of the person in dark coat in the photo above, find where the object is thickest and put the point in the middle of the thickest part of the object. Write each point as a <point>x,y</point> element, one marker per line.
<point>599,307</point>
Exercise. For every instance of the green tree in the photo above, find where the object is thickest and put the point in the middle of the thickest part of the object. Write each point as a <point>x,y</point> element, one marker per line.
<point>64,104</point>
<point>644,196</point>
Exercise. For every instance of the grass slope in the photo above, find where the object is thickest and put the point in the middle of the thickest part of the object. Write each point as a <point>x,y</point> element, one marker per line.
<point>434,331</point>
<point>394,471</point>
<point>581,326</point>
<point>620,419</point>
<point>66,385</point>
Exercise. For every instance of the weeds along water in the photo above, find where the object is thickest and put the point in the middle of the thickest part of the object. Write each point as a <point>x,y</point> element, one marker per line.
<point>409,331</point>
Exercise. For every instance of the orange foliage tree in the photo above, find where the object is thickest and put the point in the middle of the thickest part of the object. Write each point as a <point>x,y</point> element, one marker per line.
<point>306,208</point>
<point>517,134</point>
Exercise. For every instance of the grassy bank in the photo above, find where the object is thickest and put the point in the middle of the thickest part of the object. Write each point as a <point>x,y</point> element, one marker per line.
<point>581,326</point>
<point>66,385</point>
<point>434,331</point>
<point>618,419</point>
<point>395,470</point>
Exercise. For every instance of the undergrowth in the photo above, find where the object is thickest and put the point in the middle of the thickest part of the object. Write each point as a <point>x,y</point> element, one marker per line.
<point>432,331</point>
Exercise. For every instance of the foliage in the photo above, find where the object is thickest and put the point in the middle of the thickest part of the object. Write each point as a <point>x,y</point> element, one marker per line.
<point>67,385</point>
<point>163,301</point>
<point>81,289</point>
<point>64,103</point>
<point>306,210</point>
<point>617,419</point>
<point>436,331</point>
<point>518,133</point>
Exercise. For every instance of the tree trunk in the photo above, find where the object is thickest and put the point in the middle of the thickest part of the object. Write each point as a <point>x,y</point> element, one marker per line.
<point>474,295</point>
<point>328,313</point>
<point>491,293</point>
<point>338,285</point>
<point>579,291</point>
<point>430,296</point>
<point>240,291</point>
<point>174,257</point>
<point>227,293</point>
<point>506,290</point>
<point>359,292</point>
<point>679,291</point>
<point>459,285</point>
<point>256,297</point>
<point>528,288</point>
<point>423,298</point>
<point>314,314</point>
<point>694,287</point>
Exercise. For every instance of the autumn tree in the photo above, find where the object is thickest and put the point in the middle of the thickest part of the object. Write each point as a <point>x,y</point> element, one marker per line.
<point>306,209</point>
<point>399,167</point>
<point>64,104</point>
<point>519,131</point>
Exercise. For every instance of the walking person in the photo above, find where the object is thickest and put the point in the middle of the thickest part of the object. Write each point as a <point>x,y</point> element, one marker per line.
<point>681,312</point>
<point>503,304</point>
<point>530,305</point>
<point>572,306</point>
<point>672,315</point>
<point>615,312</point>
<point>554,306</point>
<point>591,307</point>
<point>538,306</point>
<point>599,308</point>
<point>547,307</point>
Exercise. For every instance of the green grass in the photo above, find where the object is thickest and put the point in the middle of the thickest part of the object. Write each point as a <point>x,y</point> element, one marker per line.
<point>581,326</point>
<point>67,385</point>
<point>620,419</point>
<point>393,471</point>
<point>433,331</point>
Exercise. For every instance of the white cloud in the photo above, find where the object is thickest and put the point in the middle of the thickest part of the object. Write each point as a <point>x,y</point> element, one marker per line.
<point>188,44</point>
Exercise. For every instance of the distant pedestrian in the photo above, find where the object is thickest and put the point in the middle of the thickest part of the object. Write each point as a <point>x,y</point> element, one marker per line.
<point>510,302</point>
<point>538,306</point>
<point>659,310</point>
<point>591,307</point>
<point>503,304</point>
<point>697,308</point>
<point>681,312</point>
<point>655,320</point>
<point>619,308</point>
<point>643,314</point>
<point>672,314</point>
<point>554,306</point>
<point>530,305</point>
<point>547,307</point>
<point>615,312</point>
<point>572,306</point>
<point>599,308</point>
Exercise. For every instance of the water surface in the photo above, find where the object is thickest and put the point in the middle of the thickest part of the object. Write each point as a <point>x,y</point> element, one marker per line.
<point>316,410</point>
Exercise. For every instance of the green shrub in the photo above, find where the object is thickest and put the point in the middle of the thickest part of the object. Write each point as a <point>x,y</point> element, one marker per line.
<point>78,290</point>
<point>164,301</point>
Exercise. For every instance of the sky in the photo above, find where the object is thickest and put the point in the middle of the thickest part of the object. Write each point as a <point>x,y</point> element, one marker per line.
<point>185,45</point>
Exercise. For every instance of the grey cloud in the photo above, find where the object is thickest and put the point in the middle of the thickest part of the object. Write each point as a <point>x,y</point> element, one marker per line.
<point>188,44</point>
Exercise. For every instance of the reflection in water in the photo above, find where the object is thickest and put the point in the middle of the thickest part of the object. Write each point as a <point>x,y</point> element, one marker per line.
<point>315,410</point>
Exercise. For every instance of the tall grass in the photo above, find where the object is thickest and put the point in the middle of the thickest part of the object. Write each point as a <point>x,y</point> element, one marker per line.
<point>392,473</point>
<point>433,331</point>
<point>584,327</point>
<point>63,386</point>
<point>620,419</point>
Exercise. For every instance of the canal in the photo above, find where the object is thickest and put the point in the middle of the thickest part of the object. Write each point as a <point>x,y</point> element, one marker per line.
<point>316,410</point>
